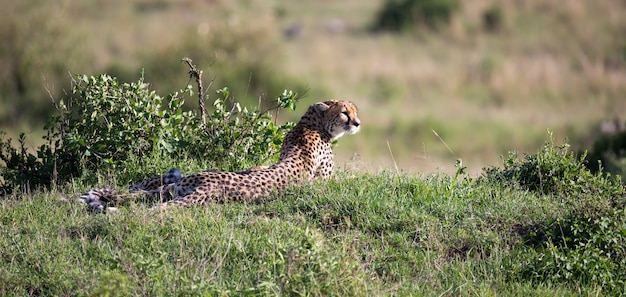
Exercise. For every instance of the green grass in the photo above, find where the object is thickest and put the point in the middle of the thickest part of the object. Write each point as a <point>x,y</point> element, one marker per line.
<point>356,235</point>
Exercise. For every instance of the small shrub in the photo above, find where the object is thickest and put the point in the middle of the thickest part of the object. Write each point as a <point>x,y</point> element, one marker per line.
<point>553,170</point>
<point>586,244</point>
<point>406,14</point>
<point>106,125</point>
<point>116,120</point>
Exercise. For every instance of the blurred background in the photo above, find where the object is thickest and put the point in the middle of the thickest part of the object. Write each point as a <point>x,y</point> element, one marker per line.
<point>435,80</point>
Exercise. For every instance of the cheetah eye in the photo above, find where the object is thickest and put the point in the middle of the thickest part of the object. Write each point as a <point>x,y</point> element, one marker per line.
<point>346,114</point>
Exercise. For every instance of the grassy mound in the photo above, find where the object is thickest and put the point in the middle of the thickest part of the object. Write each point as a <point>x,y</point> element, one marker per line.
<point>356,235</point>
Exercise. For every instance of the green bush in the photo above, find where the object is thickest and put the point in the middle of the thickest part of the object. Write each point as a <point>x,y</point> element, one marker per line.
<point>406,14</point>
<point>553,170</point>
<point>584,245</point>
<point>107,125</point>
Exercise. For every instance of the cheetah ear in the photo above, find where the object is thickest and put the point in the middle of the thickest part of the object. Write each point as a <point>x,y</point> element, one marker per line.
<point>321,106</point>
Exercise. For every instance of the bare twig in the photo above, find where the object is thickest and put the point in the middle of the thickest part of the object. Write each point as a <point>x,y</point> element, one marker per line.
<point>197,74</point>
<point>46,86</point>
<point>53,144</point>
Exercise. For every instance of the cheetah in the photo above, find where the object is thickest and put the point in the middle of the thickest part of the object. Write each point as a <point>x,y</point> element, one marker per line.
<point>306,155</point>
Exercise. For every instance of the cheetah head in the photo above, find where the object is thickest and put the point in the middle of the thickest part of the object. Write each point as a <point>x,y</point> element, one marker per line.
<point>338,117</point>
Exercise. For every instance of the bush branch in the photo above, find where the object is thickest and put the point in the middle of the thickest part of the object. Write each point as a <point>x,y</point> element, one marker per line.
<point>197,74</point>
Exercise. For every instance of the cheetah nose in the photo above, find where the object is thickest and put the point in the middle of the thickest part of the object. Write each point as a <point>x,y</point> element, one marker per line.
<point>356,124</point>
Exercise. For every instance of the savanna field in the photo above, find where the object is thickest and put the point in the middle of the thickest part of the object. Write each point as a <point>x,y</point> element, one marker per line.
<point>475,172</point>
